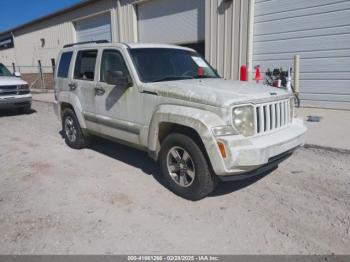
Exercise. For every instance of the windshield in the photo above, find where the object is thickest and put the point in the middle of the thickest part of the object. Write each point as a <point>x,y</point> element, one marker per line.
<point>167,64</point>
<point>4,71</point>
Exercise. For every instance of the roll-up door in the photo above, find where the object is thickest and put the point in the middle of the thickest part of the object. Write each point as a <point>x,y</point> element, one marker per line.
<point>318,30</point>
<point>94,28</point>
<point>169,21</point>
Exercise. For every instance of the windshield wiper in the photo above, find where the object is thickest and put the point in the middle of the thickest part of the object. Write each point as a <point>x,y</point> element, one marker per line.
<point>172,78</point>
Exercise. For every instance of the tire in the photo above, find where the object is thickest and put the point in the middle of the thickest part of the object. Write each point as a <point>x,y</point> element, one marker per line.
<point>72,132</point>
<point>193,183</point>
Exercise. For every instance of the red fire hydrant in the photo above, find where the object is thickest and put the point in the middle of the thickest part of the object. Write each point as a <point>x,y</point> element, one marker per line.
<point>243,76</point>
<point>257,74</point>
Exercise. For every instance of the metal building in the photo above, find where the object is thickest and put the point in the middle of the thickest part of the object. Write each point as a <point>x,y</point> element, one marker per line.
<point>228,33</point>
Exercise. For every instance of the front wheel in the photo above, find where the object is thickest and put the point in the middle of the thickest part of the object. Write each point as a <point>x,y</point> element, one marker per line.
<point>185,167</point>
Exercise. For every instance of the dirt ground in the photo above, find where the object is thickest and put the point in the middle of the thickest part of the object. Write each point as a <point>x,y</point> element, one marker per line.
<point>108,200</point>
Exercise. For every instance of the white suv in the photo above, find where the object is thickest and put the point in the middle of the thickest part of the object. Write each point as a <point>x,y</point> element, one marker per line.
<point>168,101</point>
<point>14,92</point>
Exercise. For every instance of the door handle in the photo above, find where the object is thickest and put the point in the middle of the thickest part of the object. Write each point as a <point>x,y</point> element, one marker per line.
<point>72,86</point>
<point>99,91</point>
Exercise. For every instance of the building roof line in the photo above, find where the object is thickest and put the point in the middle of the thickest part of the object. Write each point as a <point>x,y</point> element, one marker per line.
<point>50,15</point>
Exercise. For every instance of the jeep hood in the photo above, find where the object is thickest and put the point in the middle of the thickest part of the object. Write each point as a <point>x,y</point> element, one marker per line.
<point>217,92</point>
<point>11,81</point>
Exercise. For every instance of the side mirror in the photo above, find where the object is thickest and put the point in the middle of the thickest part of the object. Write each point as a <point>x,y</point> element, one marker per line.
<point>117,78</point>
<point>17,74</point>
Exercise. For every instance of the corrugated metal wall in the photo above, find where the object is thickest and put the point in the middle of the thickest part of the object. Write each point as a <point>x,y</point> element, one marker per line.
<point>318,30</point>
<point>126,15</point>
<point>226,35</point>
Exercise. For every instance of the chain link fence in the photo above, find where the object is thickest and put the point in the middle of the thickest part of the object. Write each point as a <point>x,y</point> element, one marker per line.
<point>38,77</point>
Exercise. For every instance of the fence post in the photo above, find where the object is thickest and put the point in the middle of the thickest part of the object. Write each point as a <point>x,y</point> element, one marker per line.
<point>14,68</point>
<point>53,64</point>
<point>41,75</point>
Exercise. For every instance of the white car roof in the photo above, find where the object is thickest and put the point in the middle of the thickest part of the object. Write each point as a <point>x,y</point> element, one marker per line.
<point>128,45</point>
<point>155,45</point>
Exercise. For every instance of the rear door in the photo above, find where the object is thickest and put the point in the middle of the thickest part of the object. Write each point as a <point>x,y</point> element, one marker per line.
<point>63,71</point>
<point>83,84</point>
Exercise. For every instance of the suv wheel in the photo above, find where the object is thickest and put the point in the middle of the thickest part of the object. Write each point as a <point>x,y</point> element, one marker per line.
<point>72,132</point>
<point>185,167</point>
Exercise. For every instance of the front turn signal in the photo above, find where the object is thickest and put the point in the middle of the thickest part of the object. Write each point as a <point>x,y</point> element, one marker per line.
<point>222,149</point>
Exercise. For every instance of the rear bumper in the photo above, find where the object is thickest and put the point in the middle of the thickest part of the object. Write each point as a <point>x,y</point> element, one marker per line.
<point>9,102</point>
<point>245,155</point>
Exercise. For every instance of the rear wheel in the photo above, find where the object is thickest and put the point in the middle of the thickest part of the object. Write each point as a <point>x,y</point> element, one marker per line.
<point>185,167</point>
<point>72,131</point>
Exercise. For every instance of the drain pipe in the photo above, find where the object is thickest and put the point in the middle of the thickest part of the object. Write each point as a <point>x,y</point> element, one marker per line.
<point>296,73</point>
<point>250,39</point>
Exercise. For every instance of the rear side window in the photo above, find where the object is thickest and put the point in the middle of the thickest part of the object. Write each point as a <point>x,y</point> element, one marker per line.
<point>63,67</point>
<point>85,65</point>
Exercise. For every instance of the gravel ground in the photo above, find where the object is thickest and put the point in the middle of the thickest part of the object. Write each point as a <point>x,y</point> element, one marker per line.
<point>108,200</point>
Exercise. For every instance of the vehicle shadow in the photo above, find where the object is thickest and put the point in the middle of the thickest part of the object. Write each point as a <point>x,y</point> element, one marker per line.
<point>16,112</point>
<point>141,160</point>
<point>225,188</point>
<point>128,155</point>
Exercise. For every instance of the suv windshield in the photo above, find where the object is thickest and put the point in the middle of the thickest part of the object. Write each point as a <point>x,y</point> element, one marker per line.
<point>4,71</point>
<point>167,64</point>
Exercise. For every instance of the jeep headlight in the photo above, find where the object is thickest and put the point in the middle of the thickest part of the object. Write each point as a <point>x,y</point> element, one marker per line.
<point>243,120</point>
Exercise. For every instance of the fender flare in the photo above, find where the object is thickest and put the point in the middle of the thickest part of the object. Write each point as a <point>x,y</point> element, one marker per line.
<point>199,120</point>
<point>67,97</point>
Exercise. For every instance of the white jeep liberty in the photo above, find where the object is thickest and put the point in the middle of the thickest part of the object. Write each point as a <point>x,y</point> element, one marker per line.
<point>168,101</point>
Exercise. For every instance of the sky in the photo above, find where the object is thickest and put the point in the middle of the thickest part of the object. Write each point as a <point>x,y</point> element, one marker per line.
<point>18,12</point>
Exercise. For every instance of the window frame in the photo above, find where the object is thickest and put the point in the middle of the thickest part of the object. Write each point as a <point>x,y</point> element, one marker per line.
<point>139,75</point>
<point>122,56</point>
<point>75,64</point>
<point>69,65</point>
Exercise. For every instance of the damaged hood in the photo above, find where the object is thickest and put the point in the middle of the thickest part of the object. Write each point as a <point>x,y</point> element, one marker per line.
<point>217,92</point>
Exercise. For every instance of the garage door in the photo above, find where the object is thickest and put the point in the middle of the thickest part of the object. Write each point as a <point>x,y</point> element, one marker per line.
<point>169,21</point>
<point>94,28</point>
<point>318,30</point>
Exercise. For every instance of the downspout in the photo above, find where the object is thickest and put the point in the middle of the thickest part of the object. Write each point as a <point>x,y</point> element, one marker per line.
<point>250,39</point>
<point>14,49</point>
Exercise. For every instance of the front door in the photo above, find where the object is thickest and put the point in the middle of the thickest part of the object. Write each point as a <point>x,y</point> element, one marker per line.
<point>119,108</point>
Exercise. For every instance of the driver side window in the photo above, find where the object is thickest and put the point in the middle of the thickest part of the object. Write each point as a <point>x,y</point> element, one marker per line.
<point>112,62</point>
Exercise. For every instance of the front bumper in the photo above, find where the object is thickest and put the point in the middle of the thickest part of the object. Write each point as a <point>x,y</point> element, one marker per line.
<point>9,102</point>
<point>246,154</point>
<point>271,165</point>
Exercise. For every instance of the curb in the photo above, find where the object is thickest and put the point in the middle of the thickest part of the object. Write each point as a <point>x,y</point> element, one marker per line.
<point>327,148</point>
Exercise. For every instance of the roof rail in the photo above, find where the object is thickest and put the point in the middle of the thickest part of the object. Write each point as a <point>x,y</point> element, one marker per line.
<point>87,42</point>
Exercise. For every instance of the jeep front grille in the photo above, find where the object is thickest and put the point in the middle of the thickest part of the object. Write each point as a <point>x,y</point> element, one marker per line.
<point>272,116</point>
